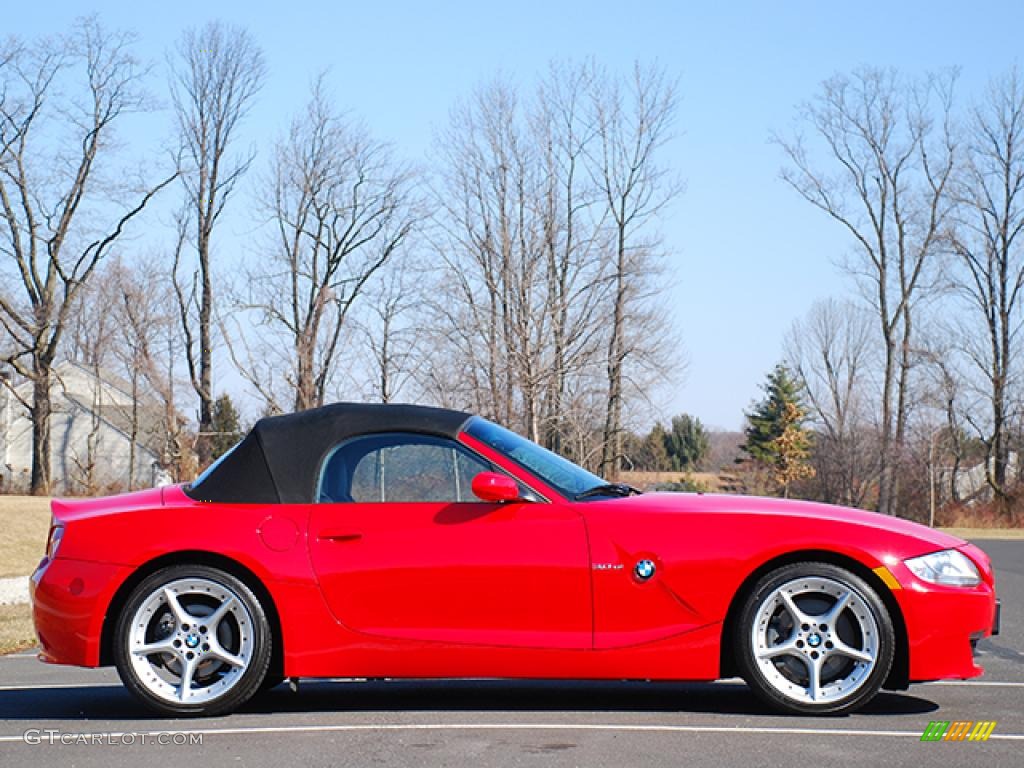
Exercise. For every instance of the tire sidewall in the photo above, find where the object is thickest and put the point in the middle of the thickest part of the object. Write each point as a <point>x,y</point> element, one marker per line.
<point>250,681</point>
<point>751,671</point>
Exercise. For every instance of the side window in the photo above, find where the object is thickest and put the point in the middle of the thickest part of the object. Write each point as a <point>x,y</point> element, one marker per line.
<point>399,468</point>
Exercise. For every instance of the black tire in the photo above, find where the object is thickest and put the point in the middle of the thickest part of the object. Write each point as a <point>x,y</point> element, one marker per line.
<point>243,633</point>
<point>271,681</point>
<point>771,659</point>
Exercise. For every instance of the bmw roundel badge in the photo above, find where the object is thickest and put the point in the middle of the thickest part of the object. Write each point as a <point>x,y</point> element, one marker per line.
<point>644,569</point>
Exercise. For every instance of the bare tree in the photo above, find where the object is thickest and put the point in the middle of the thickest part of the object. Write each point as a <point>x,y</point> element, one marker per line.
<point>518,291</point>
<point>216,74</point>
<point>948,390</point>
<point>889,149</point>
<point>632,124</point>
<point>574,239</point>
<point>987,241</point>
<point>831,353</point>
<point>340,206</point>
<point>390,332</point>
<point>89,340</point>
<point>526,238</point>
<point>62,208</point>
<point>148,342</point>
<point>124,322</point>
<point>489,306</point>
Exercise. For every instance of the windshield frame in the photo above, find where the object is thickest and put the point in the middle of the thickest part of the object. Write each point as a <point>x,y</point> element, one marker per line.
<point>486,432</point>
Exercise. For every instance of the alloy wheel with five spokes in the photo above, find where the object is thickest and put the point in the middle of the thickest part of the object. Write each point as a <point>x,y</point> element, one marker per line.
<point>815,638</point>
<point>192,639</point>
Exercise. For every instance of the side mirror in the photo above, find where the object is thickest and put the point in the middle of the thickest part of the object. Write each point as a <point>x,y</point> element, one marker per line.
<point>492,486</point>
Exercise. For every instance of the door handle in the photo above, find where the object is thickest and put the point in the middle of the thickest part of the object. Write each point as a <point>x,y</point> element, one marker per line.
<point>335,535</point>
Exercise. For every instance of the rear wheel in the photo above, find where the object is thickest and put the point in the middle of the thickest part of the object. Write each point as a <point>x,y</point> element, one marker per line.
<point>192,640</point>
<point>814,638</point>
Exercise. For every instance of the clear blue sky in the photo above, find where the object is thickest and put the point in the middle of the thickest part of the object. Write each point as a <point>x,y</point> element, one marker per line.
<point>747,256</point>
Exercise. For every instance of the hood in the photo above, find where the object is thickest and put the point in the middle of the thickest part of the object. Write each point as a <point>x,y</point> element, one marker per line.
<point>69,510</point>
<point>811,510</point>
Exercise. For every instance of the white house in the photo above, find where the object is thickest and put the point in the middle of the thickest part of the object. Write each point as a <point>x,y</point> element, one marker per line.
<point>90,435</point>
<point>972,482</point>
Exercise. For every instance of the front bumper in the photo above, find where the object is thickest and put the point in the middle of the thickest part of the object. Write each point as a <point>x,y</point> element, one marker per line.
<point>944,623</point>
<point>69,603</point>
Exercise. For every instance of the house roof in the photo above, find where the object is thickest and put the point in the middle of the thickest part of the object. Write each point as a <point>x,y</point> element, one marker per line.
<point>150,422</point>
<point>150,415</point>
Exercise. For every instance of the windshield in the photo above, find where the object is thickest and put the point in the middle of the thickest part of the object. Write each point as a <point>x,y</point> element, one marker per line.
<point>561,474</point>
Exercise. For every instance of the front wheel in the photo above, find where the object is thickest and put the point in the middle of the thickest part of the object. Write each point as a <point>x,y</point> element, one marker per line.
<point>192,640</point>
<point>814,638</point>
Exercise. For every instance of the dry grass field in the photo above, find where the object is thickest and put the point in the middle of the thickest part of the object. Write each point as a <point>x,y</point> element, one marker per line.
<point>647,480</point>
<point>16,631</point>
<point>986,533</point>
<point>24,523</point>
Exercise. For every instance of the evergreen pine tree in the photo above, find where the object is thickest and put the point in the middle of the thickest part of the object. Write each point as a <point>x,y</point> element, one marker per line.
<point>653,454</point>
<point>687,443</point>
<point>225,426</point>
<point>776,437</point>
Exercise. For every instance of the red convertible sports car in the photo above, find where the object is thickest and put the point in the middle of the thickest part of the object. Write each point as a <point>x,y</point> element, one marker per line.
<point>412,542</point>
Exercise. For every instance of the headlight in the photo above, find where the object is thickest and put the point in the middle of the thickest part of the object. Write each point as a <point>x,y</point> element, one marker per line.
<point>948,567</point>
<point>56,534</point>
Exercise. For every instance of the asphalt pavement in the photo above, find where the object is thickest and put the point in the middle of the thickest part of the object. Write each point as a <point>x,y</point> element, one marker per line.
<point>58,716</point>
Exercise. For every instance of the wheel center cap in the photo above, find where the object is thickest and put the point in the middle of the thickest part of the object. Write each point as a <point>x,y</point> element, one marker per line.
<point>814,640</point>
<point>192,640</point>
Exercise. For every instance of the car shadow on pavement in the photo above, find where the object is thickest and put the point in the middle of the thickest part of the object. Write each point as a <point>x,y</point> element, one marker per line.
<point>113,702</point>
<point>541,696</point>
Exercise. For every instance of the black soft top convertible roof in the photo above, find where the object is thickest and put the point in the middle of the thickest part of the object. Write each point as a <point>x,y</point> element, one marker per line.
<point>279,460</point>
